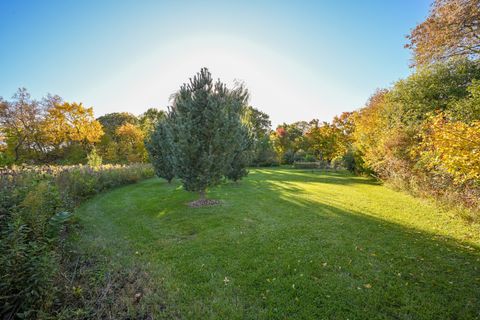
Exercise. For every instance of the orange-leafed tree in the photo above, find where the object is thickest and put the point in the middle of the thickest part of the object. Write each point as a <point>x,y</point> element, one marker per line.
<point>452,29</point>
<point>20,120</point>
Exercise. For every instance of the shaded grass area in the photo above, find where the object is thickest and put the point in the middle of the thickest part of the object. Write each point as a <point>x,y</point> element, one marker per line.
<point>289,244</point>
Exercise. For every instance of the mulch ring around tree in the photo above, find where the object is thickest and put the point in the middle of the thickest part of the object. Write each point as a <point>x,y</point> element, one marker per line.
<point>204,203</point>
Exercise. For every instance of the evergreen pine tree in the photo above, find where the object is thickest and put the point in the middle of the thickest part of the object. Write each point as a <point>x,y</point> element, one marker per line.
<point>160,150</point>
<point>242,157</point>
<point>205,122</point>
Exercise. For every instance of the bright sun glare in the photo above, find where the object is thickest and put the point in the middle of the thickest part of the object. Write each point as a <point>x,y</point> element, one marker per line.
<point>267,74</point>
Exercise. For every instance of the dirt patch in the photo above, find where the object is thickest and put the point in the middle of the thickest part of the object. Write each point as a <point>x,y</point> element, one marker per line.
<point>204,203</point>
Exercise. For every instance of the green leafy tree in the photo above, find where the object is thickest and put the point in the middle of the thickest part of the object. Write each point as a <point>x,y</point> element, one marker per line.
<point>258,122</point>
<point>112,121</point>
<point>122,141</point>
<point>149,119</point>
<point>287,139</point>
<point>433,88</point>
<point>206,117</point>
<point>260,127</point>
<point>264,153</point>
<point>468,109</point>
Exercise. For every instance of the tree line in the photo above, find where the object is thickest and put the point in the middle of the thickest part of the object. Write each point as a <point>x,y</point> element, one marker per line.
<point>421,134</point>
<point>53,131</point>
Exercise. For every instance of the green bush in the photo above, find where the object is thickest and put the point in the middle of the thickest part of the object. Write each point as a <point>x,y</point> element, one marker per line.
<point>94,160</point>
<point>264,154</point>
<point>288,157</point>
<point>77,183</point>
<point>337,163</point>
<point>34,205</point>
<point>28,266</point>
<point>299,156</point>
<point>28,262</point>
<point>306,165</point>
<point>315,165</point>
<point>37,207</point>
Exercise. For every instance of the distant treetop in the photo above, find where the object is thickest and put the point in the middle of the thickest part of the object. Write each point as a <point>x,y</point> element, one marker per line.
<point>451,30</point>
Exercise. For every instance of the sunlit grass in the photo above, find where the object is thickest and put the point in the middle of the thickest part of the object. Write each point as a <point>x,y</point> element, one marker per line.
<point>291,244</point>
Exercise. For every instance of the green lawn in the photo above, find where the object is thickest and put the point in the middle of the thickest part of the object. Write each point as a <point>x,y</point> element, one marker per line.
<point>290,244</point>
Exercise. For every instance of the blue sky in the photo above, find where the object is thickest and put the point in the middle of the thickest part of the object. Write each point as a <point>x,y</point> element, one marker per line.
<point>300,59</point>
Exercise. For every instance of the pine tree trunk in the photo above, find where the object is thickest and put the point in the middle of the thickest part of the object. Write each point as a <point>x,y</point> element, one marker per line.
<point>202,195</point>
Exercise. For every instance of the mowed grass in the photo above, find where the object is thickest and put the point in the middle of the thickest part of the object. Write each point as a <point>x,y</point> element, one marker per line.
<point>290,244</point>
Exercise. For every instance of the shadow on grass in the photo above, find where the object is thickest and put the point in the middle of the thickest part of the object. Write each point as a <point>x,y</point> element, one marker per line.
<point>344,263</point>
<point>320,176</point>
<point>412,273</point>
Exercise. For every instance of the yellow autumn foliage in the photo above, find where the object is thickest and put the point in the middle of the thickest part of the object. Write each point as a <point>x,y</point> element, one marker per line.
<point>71,122</point>
<point>452,146</point>
<point>131,147</point>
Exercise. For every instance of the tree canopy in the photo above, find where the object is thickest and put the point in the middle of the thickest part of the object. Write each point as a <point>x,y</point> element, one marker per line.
<point>451,30</point>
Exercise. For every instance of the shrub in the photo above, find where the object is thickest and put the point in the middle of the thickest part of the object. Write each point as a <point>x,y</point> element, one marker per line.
<point>299,155</point>
<point>33,204</point>
<point>28,266</point>
<point>306,165</point>
<point>28,262</point>
<point>265,155</point>
<point>422,134</point>
<point>321,164</point>
<point>77,183</point>
<point>288,157</point>
<point>310,158</point>
<point>94,160</point>
<point>337,163</point>
<point>349,161</point>
<point>37,207</point>
<point>270,162</point>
